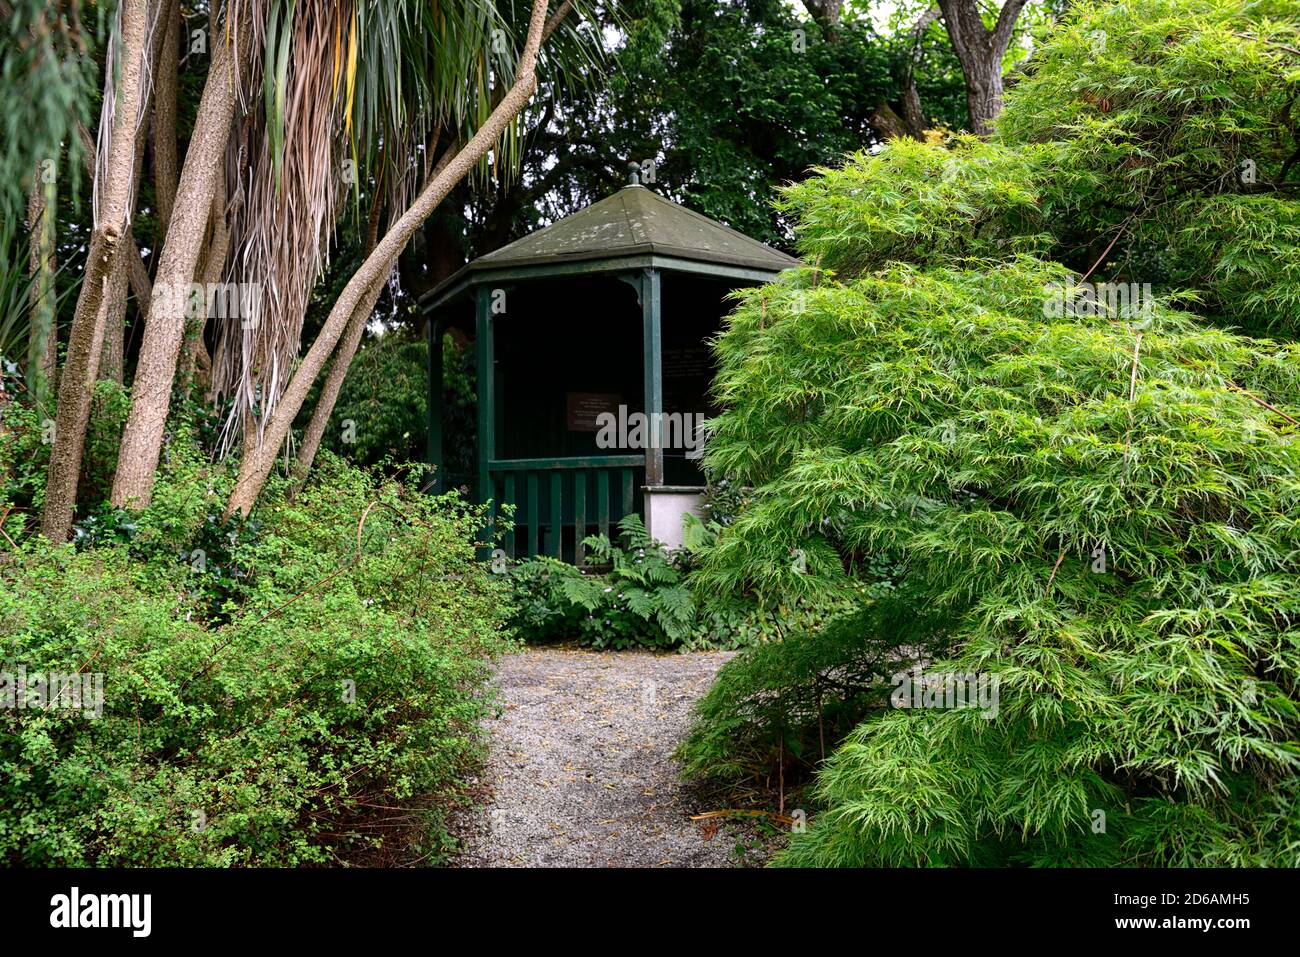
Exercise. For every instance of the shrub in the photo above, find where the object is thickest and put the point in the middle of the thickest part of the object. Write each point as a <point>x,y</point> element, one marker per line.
<point>112,403</point>
<point>24,452</point>
<point>1096,509</point>
<point>646,599</point>
<point>785,702</point>
<point>642,599</point>
<point>1002,456</point>
<point>543,610</point>
<point>385,398</point>
<point>349,675</point>
<point>1169,130</point>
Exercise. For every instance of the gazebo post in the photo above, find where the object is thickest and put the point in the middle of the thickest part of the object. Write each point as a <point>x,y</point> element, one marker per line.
<point>434,447</point>
<point>486,388</point>
<point>652,346</point>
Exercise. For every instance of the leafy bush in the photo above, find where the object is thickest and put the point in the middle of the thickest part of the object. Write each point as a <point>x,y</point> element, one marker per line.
<point>349,675</point>
<point>1168,128</point>
<point>723,501</point>
<point>1099,509</point>
<point>24,451</point>
<point>646,598</point>
<point>642,600</point>
<point>109,410</point>
<point>784,702</point>
<point>543,610</point>
<point>385,400</point>
<point>385,397</point>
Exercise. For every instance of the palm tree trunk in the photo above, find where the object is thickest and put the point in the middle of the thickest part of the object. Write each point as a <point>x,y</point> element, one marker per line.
<point>329,393</point>
<point>111,351</point>
<point>164,116</point>
<point>194,356</point>
<point>42,334</point>
<point>108,243</point>
<point>178,262</point>
<point>256,468</point>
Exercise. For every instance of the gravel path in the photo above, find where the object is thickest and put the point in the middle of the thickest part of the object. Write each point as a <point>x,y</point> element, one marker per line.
<point>581,773</point>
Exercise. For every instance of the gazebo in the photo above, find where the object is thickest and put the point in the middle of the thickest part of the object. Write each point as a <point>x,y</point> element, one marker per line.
<point>593,365</point>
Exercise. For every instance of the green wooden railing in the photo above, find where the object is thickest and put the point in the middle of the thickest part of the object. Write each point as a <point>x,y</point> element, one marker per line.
<point>551,495</point>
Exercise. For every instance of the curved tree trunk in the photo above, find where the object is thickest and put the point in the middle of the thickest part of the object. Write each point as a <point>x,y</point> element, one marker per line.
<point>104,259</point>
<point>163,332</point>
<point>333,385</point>
<point>254,469</point>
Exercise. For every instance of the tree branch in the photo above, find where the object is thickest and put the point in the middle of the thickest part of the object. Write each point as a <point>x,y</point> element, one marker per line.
<point>255,469</point>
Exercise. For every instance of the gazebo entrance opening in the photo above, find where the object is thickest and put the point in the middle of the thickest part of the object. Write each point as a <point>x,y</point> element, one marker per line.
<point>571,434</point>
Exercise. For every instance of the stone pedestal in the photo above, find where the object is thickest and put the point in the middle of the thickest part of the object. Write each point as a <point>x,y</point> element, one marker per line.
<point>665,505</point>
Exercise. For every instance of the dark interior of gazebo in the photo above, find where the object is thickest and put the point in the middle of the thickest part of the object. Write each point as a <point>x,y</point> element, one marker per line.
<point>583,337</point>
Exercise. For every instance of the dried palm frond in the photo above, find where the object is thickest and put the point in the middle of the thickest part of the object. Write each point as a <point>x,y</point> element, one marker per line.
<point>108,109</point>
<point>353,95</point>
<point>284,195</point>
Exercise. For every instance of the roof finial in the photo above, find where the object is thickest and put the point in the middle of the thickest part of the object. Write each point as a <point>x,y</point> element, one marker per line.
<point>633,173</point>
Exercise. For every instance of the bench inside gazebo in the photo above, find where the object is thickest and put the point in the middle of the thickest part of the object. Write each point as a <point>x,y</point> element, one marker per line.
<point>582,329</point>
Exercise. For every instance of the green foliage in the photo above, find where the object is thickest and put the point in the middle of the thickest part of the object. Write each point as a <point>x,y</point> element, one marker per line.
<point>24,451</point>
<point>1096,509</point>
<point>645,582</point>
<point>781,98</point>
<point>111,405</point>
<point>1172,133</point>
<point>785,701</point>
<point>723,501</point>
<point>645,597</point>
<point>48,83</point>
<point>182,524</point>
<point>385,397</point>
<point>543,609</point>
<point>915,203</point>
<point>642,599</point>
<point>18,286</point>
<point>348,673</point>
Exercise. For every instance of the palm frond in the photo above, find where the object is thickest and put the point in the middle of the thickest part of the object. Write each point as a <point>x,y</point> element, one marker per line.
<point>380,84</point>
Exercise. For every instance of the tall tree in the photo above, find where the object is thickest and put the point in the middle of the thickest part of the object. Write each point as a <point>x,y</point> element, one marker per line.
<point>981,49</point>
<point>256,468</point>
<point>127,91</point>
<point>781,100</point>
<point>177,267</point>
<point>339,110</point>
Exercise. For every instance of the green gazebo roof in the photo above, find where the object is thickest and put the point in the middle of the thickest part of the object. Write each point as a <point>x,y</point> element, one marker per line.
<point>631,228</point>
